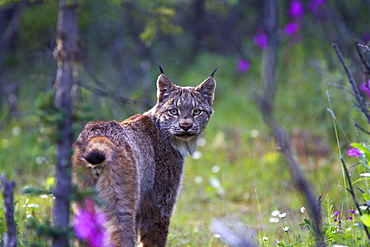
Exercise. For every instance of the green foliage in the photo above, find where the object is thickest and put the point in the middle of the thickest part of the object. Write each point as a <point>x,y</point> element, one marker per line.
<point>32,24</point>
<point>160,23</point>
<point>35,191</point>
<point>50,116</point>
<point>46,229</point>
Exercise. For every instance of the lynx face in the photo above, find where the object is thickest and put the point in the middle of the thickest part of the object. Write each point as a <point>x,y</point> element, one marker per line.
<point>183,112</point>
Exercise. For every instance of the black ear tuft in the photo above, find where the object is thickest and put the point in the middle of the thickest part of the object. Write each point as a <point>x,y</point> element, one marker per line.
<point>160,67</point>
<point>214,71</point>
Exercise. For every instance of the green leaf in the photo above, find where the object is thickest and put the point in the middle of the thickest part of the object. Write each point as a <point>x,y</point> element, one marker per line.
<point>361,179</point>
<point>342,239</point>
<point>365,218</point>
<point>366,197</point>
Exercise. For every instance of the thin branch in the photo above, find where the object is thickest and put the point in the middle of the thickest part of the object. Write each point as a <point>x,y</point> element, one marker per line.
<point>352,192</point>
<point>364,46</point>
<point>360,99</point>
<point>103,90</point>
<point>361,190</point>
<point>119,99</point>
<point>131,6</point>
<point>363,60</point>
<point>361,128</point>
<point>354,165</point>
<point>342,88</point>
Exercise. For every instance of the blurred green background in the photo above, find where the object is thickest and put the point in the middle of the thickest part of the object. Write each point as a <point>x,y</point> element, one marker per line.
<point>238,171</point>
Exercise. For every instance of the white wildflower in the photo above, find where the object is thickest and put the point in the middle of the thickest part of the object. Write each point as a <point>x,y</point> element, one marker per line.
<point>198,179</point>
<point>274,220</point>
<point>282,215</point>
<point>215,169</point>
<point>275,213</point>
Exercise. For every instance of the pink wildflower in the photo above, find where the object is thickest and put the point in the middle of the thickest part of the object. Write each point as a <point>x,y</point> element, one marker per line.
<point>354,152</point>
<point>292,28</point>
<point>243,65</point>
<point>83,226</point>
<point>315,5</point>
<point>260,40</point>
<point>364,87</point>
<point>295,9</point>
<point>89,225</point>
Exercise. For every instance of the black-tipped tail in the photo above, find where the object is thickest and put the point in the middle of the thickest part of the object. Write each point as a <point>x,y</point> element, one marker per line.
<point>95,157</point>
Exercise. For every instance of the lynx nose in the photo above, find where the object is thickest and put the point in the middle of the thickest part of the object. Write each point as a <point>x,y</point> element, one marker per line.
<point>185,125</point>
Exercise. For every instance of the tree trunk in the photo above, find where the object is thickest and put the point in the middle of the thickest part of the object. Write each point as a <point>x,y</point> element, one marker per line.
<point>66,53</point>
<point>10,237</point>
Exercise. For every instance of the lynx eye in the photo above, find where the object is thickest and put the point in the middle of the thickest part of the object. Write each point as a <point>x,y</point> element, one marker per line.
<point>174,111</point>
<point>197,112</point>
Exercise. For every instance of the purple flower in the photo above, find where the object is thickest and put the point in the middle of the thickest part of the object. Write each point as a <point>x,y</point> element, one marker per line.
<point>292,28</point>
<point>315,4</point>
<point>89,225</point>
<point>295,9</point>
<point>351,211</point>
<point>349,218</point>
<point>364,87</point>
<point>83,225</point>
<point>336,213</point>
<point>354,152</point>
<point>243,65</point>
<point>260,40</point>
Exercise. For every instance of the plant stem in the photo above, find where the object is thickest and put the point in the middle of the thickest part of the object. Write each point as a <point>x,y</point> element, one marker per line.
<point>352,192</point>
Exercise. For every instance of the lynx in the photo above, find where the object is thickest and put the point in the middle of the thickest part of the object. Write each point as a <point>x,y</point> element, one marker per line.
<point>136,165</point>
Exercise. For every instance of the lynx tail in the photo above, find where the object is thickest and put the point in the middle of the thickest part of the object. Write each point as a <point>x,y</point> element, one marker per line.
<point>98,150</point>
<point>95,157</point>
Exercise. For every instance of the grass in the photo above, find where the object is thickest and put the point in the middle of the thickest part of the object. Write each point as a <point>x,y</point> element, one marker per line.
<point>238,174</point>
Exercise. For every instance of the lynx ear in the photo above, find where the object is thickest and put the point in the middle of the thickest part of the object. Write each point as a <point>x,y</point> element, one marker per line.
<point>207,89</point>
<point>164,87</point>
